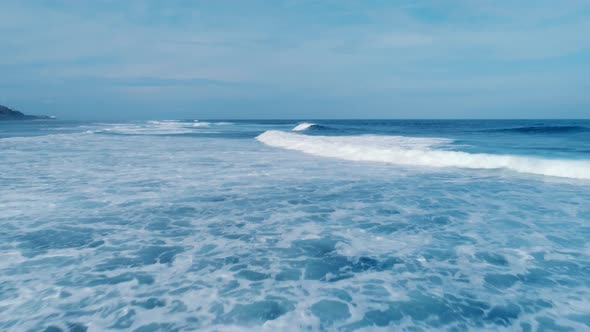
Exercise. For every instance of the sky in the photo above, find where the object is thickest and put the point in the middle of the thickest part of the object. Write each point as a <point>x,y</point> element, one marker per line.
<point>296,59</point>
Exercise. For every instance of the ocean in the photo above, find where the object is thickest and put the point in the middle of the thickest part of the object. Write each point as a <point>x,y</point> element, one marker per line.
<point>336,225</point>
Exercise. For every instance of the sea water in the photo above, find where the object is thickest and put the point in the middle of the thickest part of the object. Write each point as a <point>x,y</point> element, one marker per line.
<point>292,225</point>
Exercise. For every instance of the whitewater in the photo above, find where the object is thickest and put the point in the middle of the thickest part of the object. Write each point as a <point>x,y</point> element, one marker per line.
<point>289,225</point>
<point>418,151</point>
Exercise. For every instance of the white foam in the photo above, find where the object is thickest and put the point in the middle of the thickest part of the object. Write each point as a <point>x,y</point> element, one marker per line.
<point>135,193</point>
<point>163,127</point>
<point>419,151</point>
<point>303,126</point>
<point>150,129</point>
<point>197,123</point>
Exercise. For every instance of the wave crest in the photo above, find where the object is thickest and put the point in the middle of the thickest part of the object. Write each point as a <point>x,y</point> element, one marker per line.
<point>303,126</point>
<point>419,151</point>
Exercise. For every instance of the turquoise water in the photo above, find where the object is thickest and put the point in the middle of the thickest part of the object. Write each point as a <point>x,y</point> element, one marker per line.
<point>253,225</point>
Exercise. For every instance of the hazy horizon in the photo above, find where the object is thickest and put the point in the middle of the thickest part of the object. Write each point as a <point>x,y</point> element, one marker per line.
<point>140,60</point>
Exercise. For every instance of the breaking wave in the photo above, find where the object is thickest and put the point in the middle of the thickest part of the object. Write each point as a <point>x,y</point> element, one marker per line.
<point>307,126</point>
<point>303,126</point>
<point>419,151</point>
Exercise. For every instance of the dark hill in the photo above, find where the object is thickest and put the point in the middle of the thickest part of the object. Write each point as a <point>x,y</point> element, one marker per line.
<point>10,114</point>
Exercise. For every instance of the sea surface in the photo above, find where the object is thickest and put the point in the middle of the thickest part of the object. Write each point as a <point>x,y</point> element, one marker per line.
<point>368,225</point>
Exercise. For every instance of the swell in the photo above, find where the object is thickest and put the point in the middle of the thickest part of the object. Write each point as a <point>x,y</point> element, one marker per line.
<point>45,137</point>
<point>543,129</point>
<point>420,152</point>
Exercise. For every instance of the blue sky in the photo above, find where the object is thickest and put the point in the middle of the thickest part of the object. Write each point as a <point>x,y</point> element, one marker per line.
<point>296,59</point>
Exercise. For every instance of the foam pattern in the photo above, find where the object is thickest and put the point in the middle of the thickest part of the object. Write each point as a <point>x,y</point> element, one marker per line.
<point>165,232</point>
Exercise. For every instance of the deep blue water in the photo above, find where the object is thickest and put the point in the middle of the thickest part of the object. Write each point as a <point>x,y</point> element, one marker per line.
<point>292,225</point>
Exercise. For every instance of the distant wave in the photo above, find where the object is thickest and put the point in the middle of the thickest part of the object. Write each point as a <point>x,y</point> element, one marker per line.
<point>161,127</point>
<point>303,126</point>
<point>544,129</point>
<point>164,127</point>
<point>419,151</point>
<point>197,123</point>
<point>310,126</point>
